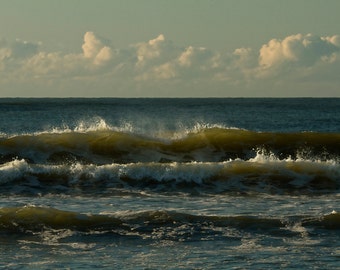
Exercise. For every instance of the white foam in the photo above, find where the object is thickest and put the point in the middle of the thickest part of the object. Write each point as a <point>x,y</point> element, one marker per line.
<point>95,124</point>
<point>13,170</point>
<point>83,126</point>
<point>252,175</point>
<point>178,172</point>
<point>183,130</point>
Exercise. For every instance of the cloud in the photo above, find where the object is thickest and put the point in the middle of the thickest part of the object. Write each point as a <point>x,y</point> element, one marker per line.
<point>194,56</point>
<point>180,63</point>
<point>11,54</point>
<point>53,65</point>
<point>94,49</point>
<point>4,54</point>
<point>157,51</point>
<point>160,59</point>
<point>297,49</point>
<point>151,49</point>
<point>18,48</point>
<point>158,67</point>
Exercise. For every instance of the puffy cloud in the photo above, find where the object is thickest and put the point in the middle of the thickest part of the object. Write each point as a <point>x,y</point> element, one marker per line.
<point>165,61</point>
<point>91,45</point>
<point>159,67</point>
<point>299,49</point>
<point>16,50</point>
<point>196,57</point>
<point>53,65</point>
<point>335,40</point>
<point>151,49</point>
<point>93,48</point>
<point>155,52</point>
<point>166,71</point>
<point>104,55</point>
<point>4,53</point>
<point>96,54</point>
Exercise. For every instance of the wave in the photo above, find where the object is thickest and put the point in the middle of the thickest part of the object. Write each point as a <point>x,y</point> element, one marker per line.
<point>203,145</point>
<point>28,219</point>
<point>207,159</point>
<point>260,174</point>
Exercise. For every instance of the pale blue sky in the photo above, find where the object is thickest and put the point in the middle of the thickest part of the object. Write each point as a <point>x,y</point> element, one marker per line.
<point>54,32</point>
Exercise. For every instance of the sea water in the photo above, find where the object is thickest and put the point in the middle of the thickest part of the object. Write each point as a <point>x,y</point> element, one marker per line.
<point>169,183</point>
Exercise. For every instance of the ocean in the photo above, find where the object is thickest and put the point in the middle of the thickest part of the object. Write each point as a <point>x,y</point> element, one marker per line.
<point>229,183</point>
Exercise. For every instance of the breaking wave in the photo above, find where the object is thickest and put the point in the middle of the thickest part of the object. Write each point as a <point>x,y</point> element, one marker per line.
<point>203,145</point>
<point>206,159</point>
<point>255,175</point>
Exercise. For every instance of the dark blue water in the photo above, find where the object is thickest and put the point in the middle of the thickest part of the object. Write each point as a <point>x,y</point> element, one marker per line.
<point>283,115</point>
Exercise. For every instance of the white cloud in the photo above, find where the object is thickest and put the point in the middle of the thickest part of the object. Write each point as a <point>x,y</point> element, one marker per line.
<point>194,56</point>
<point>159,67</point>
<point>155,52</point>
<point>335,40</point>
<point>93,48</point>
<point>299,49</point>
<point>104,55</point>
<point>91,45</point>
<point>165,61</point>
<point>151,49</point>
<point>53,65</point>
<point>11,54</point>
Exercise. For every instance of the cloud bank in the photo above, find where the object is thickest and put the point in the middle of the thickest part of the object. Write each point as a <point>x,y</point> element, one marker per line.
<point>296,65</point>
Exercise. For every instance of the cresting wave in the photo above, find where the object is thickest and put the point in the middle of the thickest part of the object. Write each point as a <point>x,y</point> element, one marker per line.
<point>206,160</point>
<point>205,145</point>
<point>260,174</point>
<point>28,219</point>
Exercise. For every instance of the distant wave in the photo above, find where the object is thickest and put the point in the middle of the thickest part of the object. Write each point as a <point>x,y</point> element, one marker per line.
<point>30,219</point>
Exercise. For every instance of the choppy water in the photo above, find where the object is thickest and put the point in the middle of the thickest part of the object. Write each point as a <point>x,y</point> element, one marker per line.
<point>169,183</point>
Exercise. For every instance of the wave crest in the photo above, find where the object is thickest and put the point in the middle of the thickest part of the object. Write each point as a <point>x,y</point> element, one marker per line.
<point>28,219</point>
<point>271,176</point>
<point>206,145</point>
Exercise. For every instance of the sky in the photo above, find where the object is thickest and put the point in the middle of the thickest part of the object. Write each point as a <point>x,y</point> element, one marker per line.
<point>177,48</point>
